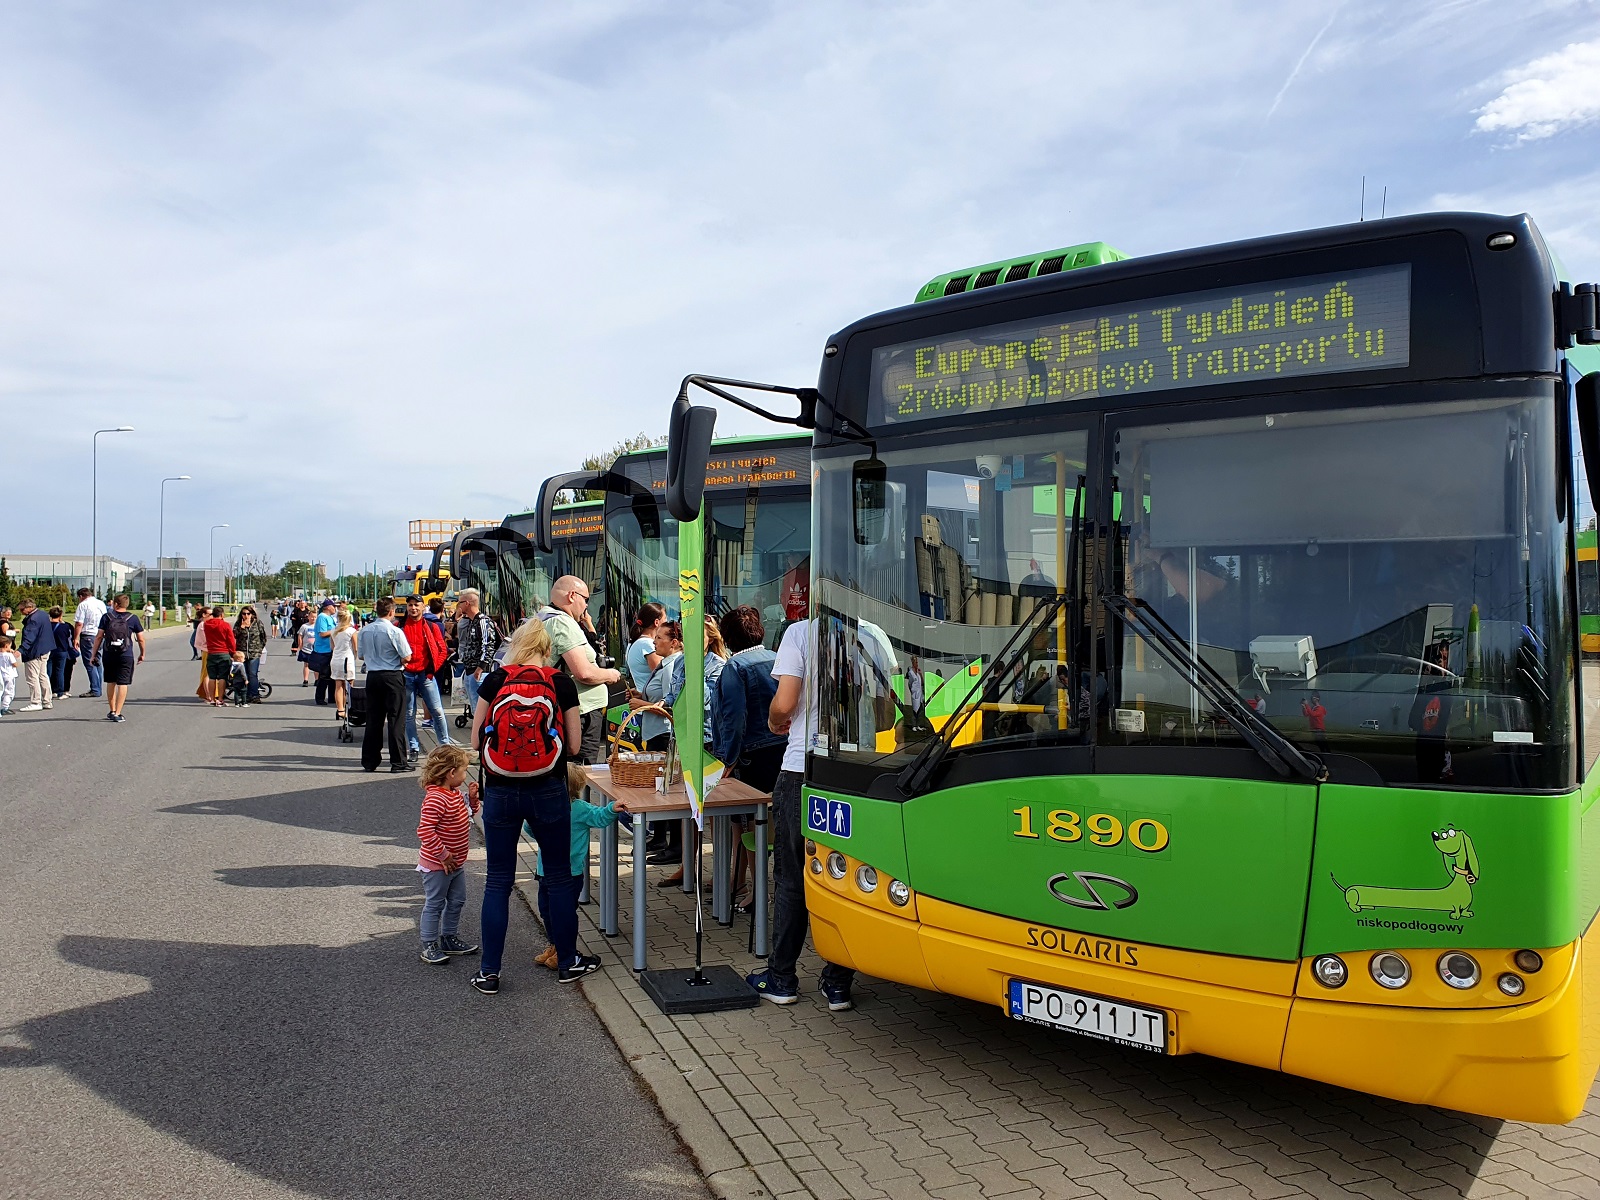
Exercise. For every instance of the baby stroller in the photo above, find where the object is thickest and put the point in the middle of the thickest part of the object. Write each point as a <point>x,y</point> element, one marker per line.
<point>355,710</point>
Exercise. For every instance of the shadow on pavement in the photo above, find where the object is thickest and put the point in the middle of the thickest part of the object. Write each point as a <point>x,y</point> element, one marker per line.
<point>359,1072</point>
<point>393,879</point>
<point>381,807</point>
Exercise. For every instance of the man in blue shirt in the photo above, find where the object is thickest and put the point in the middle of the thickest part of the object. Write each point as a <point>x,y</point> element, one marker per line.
<point>322,652</point>
<point>385,651</point>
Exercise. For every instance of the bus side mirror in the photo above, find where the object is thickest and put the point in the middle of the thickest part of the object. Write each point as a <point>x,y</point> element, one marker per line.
<point>869,499</point>
<point>689,433</point>
<point>1588,405</point>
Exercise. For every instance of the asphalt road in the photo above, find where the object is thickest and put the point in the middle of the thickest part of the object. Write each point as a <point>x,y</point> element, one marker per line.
<point>211,985</point>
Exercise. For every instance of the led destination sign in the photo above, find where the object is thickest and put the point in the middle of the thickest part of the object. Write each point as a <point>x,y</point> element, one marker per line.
<point>735,467</point>
<point>588,522</point>
<point>1355,321</point>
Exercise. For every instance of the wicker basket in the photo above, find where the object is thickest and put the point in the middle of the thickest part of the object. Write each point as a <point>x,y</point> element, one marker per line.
<point>635,774</point>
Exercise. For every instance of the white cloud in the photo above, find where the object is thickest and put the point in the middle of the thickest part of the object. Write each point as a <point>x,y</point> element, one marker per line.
<point>353,263</point>
<point>1551,93</point>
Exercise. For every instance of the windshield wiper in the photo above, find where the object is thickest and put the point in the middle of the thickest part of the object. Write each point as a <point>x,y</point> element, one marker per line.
<point>917,777</point>
<point>1263,737</point>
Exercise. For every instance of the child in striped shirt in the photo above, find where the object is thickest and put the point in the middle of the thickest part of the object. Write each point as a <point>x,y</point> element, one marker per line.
<point>442,832</point>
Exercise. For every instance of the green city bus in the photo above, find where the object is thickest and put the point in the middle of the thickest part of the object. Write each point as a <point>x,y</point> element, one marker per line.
<point>513,574</point>
<point>758,552</point>
<point>1198,658</point>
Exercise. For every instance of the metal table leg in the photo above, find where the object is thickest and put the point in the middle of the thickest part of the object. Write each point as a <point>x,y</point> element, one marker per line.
<point>608,880</point>
<point>583,888</point>
<point>640,887</point>
<point>760,882</point>
<point>691,835</point>
<point>719,869</point>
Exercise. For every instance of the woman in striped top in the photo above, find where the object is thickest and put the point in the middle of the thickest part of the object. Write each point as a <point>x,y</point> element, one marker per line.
<point>442,832</point>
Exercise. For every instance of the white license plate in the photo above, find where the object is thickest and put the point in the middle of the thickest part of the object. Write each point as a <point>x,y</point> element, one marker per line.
<point>1092,1016</point>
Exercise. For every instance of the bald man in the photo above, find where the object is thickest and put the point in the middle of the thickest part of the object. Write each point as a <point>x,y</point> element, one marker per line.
<point>567,620</point>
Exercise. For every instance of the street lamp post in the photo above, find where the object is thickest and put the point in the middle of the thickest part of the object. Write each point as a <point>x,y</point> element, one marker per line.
<point>161,548</point>
<point>94,501</point>
<point>232,571</point>
<point>212,563</point>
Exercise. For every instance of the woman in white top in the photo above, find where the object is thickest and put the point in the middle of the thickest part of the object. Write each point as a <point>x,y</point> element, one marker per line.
<point>343,669</point>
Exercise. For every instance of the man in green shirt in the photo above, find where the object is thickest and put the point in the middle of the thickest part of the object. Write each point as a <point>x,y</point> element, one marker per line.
<point>567,621</point>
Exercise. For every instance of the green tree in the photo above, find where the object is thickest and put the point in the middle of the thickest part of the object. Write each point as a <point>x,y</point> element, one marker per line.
<point>603,460</point>
<point>5,583</point>
<point>299,573</point>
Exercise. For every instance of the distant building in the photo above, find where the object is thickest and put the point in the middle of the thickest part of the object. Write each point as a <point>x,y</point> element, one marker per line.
<point>73,570</point>
<point>178,582</point>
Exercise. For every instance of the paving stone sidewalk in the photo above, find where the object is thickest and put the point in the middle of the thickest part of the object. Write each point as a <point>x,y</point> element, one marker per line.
<point>920,1095</point>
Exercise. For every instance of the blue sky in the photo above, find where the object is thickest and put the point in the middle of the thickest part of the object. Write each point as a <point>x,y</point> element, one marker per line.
<point>349,264</point>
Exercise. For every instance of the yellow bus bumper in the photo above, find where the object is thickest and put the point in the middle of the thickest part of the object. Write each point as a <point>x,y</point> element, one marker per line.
<point>1523,1062</point>
<point>1529,1062</point>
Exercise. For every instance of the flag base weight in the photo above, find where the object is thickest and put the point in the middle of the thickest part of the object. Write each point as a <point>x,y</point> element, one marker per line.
<point>677,991</point>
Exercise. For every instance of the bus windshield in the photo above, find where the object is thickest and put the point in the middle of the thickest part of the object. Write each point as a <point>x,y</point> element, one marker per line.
<point>1381,582</point>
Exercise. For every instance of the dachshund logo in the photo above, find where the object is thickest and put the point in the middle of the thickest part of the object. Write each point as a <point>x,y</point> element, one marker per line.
<point>1454,897</point>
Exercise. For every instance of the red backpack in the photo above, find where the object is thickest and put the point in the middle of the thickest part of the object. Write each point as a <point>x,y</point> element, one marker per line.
<point>522,735</point>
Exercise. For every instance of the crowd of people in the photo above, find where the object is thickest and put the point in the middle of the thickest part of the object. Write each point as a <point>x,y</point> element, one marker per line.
<point>41,648</point>
<point>754,699</point>
<point>758,704</point>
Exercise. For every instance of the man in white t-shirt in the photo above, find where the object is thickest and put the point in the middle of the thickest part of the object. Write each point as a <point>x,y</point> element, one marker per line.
<point>794,712</point>
<point>85,624</point>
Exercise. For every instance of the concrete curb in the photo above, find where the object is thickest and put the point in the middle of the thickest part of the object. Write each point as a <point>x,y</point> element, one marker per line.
<point>671,1076</point>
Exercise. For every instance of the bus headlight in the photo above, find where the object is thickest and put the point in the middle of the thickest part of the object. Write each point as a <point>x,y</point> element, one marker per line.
<point>1329,970</point>
<point>1459,970</point>
<point>811,848</point>
<point>816,866</point>
<point>837,867</point>
<point>866,878</point>
<point>1390,970</point>
<point>1528,961</point>
<point>899,893</point>
<point>1510,984</point>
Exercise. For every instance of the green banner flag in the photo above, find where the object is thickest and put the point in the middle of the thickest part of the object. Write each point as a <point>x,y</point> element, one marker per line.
<point>701,772</point>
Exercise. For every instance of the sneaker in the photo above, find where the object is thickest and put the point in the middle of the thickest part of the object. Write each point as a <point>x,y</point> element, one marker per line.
<point>838,996</point>
<point>767,989</point>
<point>432,955</point>
<point>32,708</point>
<point>121,718</point>
<point>451,944</point>
<point>87,695</point>
<point>487,984</point>
<point>583,965</point>
<point>110,716</point>
<point>400,768</point>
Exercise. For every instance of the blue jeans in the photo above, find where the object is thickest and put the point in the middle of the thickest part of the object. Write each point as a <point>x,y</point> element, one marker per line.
<point>96,675</point>
<point>252,672</point>
<point>544,805</point>
<point>444,895</point>
<point>420,685</point>
<point>470,681</point>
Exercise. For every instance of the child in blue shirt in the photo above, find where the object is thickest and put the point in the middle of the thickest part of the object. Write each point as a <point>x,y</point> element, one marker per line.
<point>585,816</point>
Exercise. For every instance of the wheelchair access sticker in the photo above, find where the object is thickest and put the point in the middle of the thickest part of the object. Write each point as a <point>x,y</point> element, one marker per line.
<point>831,817</point>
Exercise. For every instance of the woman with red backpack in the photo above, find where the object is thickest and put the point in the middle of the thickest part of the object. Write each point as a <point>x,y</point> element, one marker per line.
<point>526,725</point>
